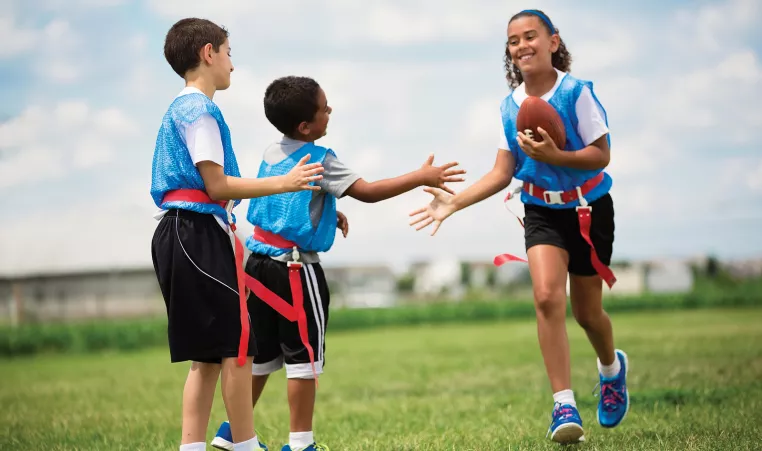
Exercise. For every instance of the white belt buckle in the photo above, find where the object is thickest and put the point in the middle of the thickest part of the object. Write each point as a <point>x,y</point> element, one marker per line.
<point>553,197</point>
<point>295,259</point>
<point>229,210</point>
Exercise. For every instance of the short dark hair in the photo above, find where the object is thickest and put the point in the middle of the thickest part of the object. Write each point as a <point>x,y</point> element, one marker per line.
<point>291,100</point>
<point>185,40</point>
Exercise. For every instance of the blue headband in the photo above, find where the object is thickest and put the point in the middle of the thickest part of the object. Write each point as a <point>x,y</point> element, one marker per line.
<point>544,18</point>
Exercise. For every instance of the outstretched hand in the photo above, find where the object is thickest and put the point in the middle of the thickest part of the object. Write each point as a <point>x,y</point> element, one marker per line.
<point>300,177</point>
<point>437,176</point>
<point>440,208</point>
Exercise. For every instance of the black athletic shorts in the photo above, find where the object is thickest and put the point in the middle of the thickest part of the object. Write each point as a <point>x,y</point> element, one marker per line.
<point>195,264</point>
<point>278,339</point>
<point>560,228</point>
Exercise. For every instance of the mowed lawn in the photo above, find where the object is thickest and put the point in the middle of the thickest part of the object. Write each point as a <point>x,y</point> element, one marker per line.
<point>695,382</point>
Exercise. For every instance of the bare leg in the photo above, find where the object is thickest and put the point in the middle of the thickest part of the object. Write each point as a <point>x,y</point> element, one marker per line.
<point>548,266</point>
<point>587,306</point>
<point>236,393</point>
<point>257,387</point>
<point>301,402</point>
<point>198,396</point>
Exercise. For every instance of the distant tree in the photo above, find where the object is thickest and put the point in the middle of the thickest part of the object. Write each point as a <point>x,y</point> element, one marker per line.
<point>405,283</point>
<point>712,267</point>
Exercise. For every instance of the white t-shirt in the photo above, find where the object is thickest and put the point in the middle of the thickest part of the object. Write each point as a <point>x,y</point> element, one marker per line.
<point>204,143</point>
<point>591,125</point>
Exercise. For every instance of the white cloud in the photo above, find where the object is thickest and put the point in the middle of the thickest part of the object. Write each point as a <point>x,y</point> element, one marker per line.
<point>710,27</point>
<point>17,40</point>
<point>50,141</point>
<point>391,111</point>
<point>111,236</point>
<point>391,22</point>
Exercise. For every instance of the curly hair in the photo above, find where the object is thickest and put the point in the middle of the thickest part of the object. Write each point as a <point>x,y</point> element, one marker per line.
<point>289,101</point>
<point>561,58</point>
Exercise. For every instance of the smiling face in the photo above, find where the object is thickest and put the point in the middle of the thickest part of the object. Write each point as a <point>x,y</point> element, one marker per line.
<point>531,45</point>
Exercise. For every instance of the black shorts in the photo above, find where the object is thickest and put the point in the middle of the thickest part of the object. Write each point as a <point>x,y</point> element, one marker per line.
<point>278,339</point>
<point>195,265</point>
<point>560,228</point>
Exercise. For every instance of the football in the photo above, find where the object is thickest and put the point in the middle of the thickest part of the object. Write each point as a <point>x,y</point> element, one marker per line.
<point>535,112</point>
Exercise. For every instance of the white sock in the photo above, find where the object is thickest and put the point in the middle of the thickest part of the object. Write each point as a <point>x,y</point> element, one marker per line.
<point>610,371</point>
<point>248,445</point>
<point>299,440</point>
<point>565,397</point>
<point>199,446</point>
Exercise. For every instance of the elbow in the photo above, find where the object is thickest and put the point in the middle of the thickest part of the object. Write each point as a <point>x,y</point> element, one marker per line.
<point>214,192</point>
<point>605,160</point>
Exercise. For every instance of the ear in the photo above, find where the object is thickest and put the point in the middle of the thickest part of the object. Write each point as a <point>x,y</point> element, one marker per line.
<point>206,53</point>
<point>303,128</point>
<point>555,43</point>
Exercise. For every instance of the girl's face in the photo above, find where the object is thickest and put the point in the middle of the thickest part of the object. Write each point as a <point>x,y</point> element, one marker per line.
<point>530,45</point>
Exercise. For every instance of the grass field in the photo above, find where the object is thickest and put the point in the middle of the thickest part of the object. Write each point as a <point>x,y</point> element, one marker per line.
<point>695,382</point>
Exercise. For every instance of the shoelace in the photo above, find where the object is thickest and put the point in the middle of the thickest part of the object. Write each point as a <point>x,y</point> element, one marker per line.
<point>611,395</point>
<point>559,413</point>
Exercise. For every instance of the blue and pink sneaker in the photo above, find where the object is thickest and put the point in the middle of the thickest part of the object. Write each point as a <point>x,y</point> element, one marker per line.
<point>566,426</point>
<point>615,399</point>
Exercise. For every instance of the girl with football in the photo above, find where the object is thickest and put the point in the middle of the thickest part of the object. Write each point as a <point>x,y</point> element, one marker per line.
<point>569,214</point>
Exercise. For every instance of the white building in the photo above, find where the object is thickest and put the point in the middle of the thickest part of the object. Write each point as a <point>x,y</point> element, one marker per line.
<point>361,286</point>
<point>80,295</point>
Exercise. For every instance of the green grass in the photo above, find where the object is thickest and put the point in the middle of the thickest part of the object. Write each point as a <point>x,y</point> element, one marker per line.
<point>695,381</point>
<point>134,334</point>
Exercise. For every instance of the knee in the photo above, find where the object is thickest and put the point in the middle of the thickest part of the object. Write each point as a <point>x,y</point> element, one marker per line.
<point>549,301</point>
<point>586,318</point>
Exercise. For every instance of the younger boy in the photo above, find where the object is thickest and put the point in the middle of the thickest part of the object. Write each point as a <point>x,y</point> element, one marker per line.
<point>298,108</point>
<point>194,177</point>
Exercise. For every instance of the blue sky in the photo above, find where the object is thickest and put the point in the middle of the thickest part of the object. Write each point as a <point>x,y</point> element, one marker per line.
<point>85,85</point>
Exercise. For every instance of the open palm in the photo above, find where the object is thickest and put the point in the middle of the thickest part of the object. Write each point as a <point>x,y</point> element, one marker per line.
<point>439,209</point>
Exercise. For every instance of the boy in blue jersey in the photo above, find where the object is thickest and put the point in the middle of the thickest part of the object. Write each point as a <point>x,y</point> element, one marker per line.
<point>195,180</point>
<point>305,222</point>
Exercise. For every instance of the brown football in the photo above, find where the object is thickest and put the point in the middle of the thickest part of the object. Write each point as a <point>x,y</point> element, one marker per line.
<point>535,112</point>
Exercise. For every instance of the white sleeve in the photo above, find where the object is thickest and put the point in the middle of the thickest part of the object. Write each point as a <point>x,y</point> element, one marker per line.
<point>591,123</point>
<point>503,141</point>
<point>204,141</point>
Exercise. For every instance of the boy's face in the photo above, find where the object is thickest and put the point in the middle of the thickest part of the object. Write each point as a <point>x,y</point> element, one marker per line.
<point>221,66</point>
<point>317,128</point>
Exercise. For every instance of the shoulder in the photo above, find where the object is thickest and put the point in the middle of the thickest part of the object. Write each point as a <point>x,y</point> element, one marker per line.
<point>577,85</point>
<point>317,153</point>
<point>189,107</point>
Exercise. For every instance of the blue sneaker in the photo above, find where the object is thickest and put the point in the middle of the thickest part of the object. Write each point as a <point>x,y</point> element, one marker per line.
<point>566,426</point>
<point>312,447</point>
<point>224,438</point>
<point>615,399</point>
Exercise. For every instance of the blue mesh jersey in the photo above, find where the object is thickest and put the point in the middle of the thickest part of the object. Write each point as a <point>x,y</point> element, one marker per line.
<point>172,165</point>
<point>555,178</point>
<point>288,214</point>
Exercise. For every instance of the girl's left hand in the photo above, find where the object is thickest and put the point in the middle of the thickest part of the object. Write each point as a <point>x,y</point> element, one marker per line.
<point>545,151</point>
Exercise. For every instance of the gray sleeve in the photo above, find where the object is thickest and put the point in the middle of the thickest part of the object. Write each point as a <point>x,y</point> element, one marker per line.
<point>337,177</point>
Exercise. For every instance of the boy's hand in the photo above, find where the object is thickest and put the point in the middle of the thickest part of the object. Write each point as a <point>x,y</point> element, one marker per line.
<point>300,177</point>
<point>437,176</point>
<point>342,223</point>
<point>544,152</point>
<point>437,211</point>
